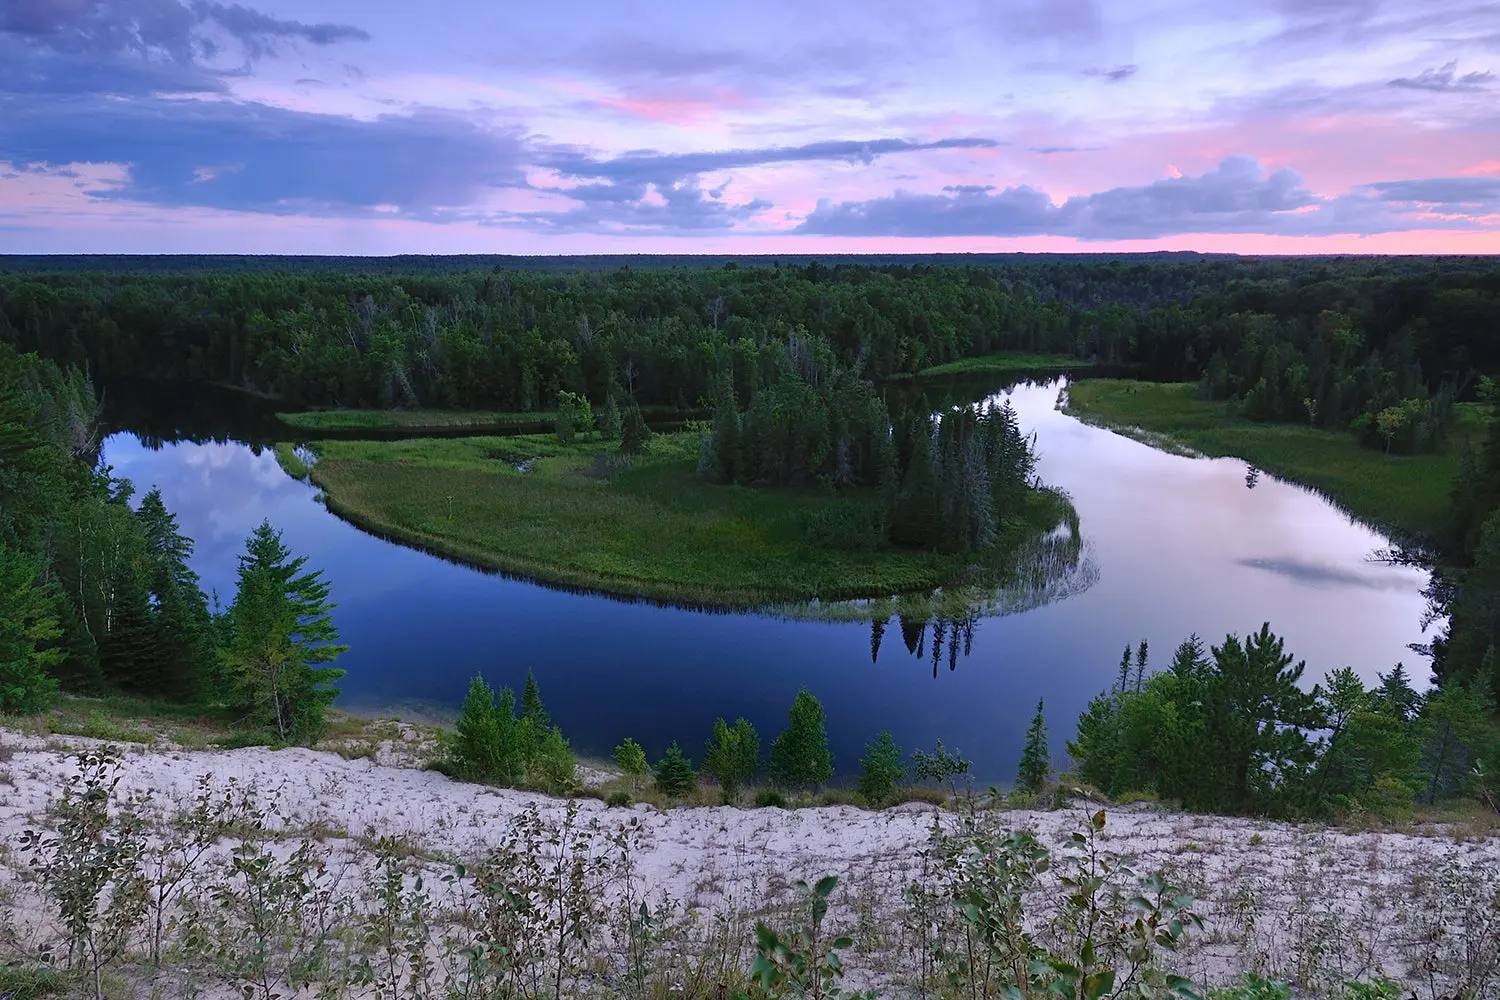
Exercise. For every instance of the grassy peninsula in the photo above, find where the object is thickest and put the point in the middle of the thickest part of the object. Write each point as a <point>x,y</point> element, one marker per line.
<point>581,514</point>
<point>1407,495</point>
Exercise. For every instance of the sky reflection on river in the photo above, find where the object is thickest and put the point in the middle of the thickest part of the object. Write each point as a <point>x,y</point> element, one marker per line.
<point>1179,545</point>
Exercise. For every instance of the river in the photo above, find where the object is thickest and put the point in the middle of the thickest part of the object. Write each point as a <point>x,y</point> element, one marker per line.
<point>1173,545</point>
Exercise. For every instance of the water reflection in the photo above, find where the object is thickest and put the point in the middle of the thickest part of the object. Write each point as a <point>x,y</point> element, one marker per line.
<point>1165,545</point>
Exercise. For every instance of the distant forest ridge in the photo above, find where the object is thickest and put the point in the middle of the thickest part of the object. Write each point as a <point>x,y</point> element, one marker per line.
<point>407,263</point>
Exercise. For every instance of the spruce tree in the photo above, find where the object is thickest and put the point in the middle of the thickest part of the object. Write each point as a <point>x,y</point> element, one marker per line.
<point>634,434</point>
<point>609,418</point>
<point>1036,760</point>
<point>675,776</point>
<point>532,707</point>
<point>732,756</point>
<point>800,756</point>
<point>280,631</point>
<point>881,770</point>
<point>28,627</point>
<point>477,750</point>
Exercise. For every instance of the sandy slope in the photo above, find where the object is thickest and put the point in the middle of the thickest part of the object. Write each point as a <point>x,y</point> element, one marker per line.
<point>1264,886</point>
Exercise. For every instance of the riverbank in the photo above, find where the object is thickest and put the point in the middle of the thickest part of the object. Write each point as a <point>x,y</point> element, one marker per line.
<point>1306,903</point>
<point>1002,363</point>
<point>421,421</point>
<point>1406,496</point>
<point>583,515</point>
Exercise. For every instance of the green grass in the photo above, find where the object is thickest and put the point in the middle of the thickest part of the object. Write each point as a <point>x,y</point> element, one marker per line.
<point>583,516</point>
<point>1004,363</point>
<point>21,983</point>
<point>478,421</point>
<point>1403,495</point>
<point>290,462</point>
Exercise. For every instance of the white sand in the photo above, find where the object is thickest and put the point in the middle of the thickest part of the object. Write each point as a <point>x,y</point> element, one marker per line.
<point>1262,885</point>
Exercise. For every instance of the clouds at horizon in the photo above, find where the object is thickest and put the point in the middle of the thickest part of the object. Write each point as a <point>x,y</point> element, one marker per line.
<point>1010,125</point>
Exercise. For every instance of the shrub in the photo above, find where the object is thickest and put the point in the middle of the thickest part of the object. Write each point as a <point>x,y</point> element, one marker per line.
<point>732,756</point>
<point>800,756</point>
<point>770,798</point>
<point>618,798</point>
<point>554,766</point>
<point>882,769</point>
<point>675,776</point>
<point>630,758</point>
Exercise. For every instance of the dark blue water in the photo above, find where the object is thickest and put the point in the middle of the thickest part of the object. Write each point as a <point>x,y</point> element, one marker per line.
<point>1174,545</point>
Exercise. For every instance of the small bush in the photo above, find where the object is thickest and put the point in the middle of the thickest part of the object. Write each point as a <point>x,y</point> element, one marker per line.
<point>1254,987</point>
<point>769,798</point>
<point>882,769</point>
<point>617,799</point>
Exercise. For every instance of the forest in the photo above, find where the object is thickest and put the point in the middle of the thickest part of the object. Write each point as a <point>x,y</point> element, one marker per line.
<point>794,359</point>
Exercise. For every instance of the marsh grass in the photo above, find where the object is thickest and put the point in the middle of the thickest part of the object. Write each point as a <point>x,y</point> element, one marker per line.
<point>1405,495</point>
<point>650,528</point>
<point>291,463</point>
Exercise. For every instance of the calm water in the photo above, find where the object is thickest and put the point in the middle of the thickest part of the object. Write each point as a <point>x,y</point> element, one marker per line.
<point>1174,545</point>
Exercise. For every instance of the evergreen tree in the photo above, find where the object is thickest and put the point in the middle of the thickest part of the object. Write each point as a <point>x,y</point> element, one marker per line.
<point>28,629</point>
<point>532,708</point>
<point>675,776</point>
<point>800,756</point>
<point>634,435</point>
<point>1454,727</point>
<point>1395,695</point>
<point>630,758</point>
<point>881,770</point>
<point>732,756</point>
<point>917,519</point>
<point>477,753</point>
<point>1036,759</point>
<point>610,423</point>
<point>724,439</point>
<point>280,632</point>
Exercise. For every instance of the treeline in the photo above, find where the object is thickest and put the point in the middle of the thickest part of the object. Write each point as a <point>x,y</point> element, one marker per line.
<point>98,595</point>
<point>1230,729</point>
<point>947,484</point>
<point>498,741</point>
<point>1323,341</point>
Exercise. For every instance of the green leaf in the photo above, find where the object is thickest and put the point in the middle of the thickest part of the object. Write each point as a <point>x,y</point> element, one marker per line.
<point>1098,984</point>
<point>825,886</point>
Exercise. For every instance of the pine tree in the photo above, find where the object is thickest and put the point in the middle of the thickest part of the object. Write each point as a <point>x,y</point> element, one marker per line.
<point>279,632</point>
<point>800,756</point>
<point>532,707</point>
<point>881,770</point>
<point>918,520</point>
<point>610,423</point>
<point>732,756</point>
<point>28,627</point>
<point>1395,695</point>
<point>1142,652</point>
<point>634,435</point>
<point>724,439</point>
<point>477,753</point>
<point>1036,759</point>
<point>675,776</point>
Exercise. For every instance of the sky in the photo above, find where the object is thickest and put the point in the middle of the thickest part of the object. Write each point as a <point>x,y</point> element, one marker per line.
<point>780,126</point>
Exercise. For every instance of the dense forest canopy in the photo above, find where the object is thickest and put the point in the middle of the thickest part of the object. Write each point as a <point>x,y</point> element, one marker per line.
<point>792,354</point>
<point>1322,340</point>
